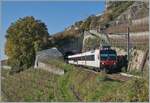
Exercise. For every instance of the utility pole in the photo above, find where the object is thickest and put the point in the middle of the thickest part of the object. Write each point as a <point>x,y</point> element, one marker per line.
<point>128,43</point>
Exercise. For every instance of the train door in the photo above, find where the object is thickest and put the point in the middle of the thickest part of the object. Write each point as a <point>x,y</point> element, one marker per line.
<point>97,58</point>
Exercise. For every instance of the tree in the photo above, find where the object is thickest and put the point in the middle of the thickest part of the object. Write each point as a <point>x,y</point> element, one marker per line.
<point>86,25</point>
<point>24,38</point>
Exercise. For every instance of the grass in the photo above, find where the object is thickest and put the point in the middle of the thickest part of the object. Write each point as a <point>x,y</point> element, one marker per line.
<point>75,85</point>
<point>132,91</point>
<point>135,72</point>
<point>29,85</point>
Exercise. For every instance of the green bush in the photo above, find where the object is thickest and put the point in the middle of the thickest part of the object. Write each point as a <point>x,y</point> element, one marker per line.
<point>24,38</point>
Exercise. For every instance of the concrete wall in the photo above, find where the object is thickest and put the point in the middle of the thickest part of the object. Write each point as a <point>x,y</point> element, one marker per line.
<point>49,68</point>
<point>136,58</point>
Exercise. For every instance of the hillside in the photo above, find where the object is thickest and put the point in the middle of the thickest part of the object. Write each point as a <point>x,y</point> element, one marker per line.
<point>114,19</point>
<point>75,85</point>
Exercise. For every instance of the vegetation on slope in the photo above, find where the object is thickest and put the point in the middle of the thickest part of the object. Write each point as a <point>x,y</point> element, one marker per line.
<point>91,43</point>
<point>92,22</point>
<point>132,91</point>
<point>119,7</point>
<point>75,85</point>
<point>24,38</point>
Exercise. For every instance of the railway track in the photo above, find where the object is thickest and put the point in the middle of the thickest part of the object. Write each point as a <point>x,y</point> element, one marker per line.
<point>115,76</point>
<point>86,69</point>
<point>122,76</point>
<point>118,77</point>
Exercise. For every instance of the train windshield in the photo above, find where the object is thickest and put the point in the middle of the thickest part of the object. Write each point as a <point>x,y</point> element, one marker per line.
<point>108,55</point>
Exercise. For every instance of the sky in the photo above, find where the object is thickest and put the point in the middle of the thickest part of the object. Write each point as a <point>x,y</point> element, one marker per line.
<point>57,15</point>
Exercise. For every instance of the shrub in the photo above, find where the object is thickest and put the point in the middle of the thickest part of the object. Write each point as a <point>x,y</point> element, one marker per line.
<point>24,38</point>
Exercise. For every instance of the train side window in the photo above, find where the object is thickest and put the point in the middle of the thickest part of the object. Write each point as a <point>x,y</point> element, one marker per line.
<point>90,57</point>
<point>83,57</point>
<point>79,58</point>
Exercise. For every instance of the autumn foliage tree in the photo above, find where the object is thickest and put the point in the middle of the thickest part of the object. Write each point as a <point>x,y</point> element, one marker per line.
<point>24,38</point>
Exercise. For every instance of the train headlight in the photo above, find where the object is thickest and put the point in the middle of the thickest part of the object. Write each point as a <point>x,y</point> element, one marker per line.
<point>103,63</point>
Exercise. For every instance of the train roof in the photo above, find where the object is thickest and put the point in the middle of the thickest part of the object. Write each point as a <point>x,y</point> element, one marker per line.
<point>84,53</point>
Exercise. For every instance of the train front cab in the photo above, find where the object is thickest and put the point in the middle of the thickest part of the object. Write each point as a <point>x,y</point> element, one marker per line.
<point>108,60</point>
